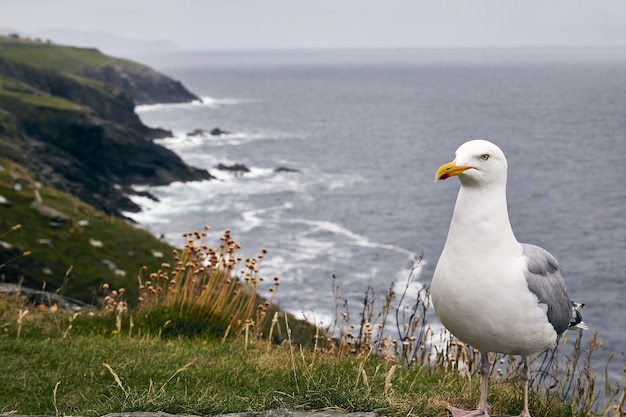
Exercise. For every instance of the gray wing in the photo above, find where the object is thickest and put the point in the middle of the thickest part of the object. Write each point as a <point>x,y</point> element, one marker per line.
<point>546,282</point>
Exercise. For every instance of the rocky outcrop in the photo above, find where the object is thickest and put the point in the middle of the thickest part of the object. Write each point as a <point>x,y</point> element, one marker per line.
<point>216,131</point>
<point>287,169</point>
<point>236,168</point>
<point>219,132</point>
<point>97,160</point>
<point>142,83</point>
<point>105,102</point>
<point>44,298</point>
<point>77,129</point>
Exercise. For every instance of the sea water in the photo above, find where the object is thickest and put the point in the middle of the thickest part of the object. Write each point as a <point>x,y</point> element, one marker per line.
<point>365,131</point>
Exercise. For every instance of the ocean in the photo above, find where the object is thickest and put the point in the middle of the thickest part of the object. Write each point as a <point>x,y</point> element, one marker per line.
<point>364,132</point>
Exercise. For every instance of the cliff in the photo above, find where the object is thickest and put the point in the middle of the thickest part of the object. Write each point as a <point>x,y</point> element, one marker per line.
<point>67,115</point>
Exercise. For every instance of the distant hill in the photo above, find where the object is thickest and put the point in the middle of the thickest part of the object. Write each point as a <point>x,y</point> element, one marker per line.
<point>67,115</point>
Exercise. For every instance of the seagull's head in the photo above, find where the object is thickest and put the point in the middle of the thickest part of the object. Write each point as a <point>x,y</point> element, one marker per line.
<point>478,162</point>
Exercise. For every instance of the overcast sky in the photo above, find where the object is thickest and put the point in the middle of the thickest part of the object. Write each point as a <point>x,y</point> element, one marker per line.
<point>262,24</point>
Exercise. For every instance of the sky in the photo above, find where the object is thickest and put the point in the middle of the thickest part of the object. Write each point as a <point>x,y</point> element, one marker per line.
<point>276,24</point>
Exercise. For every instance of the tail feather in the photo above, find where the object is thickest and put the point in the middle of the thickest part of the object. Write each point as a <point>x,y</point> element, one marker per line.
<point>577,322</point>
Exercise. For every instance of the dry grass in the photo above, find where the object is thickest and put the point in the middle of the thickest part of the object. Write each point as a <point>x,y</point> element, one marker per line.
<point>207,279</point>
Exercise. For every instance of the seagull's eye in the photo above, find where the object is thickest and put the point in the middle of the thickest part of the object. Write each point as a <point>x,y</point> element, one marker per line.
<point>484,156</point>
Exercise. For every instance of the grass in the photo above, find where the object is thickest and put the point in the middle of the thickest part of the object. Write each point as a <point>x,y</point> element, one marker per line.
<point>71,62</point>
<point>50,56</point>
<point>12,92</point>
<point>112,360</point>
<point>56,249</point>
<point>190,376</point>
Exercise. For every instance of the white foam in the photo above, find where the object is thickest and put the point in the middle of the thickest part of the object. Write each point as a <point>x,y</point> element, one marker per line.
<point>251,219</point>
<point>355,238</point>
<point>205,101</point>
<point>258,173</point>
<point>183,142</point>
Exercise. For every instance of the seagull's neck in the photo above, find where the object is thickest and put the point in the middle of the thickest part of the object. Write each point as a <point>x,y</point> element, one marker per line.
<point>481,219</point>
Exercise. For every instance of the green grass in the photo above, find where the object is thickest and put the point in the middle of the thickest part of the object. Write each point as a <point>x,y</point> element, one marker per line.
<point>95,374</point>
<point>56,363</point>
<point>186,376</point>
<point>50,56</point>
<point>71,62</point>
<point>69,246</point>
<point>13,91</point>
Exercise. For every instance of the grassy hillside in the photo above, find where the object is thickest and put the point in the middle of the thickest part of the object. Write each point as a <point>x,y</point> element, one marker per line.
<point>18,91</point>
<point>55,249</point>
<point>55,57</point>
<point>142,83</point>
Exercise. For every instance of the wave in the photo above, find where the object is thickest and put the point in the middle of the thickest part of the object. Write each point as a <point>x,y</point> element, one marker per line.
<point>308,252</point>
<point>183,141</point>
<point>357,240</point>
<point>211,102</point>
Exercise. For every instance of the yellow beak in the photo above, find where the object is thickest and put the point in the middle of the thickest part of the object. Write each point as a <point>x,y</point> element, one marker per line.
<point>450,169</point>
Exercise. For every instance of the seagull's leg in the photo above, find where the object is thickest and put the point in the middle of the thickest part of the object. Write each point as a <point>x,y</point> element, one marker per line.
<point>483,408</point>
<point>525,377</point>
<point>484,379</point>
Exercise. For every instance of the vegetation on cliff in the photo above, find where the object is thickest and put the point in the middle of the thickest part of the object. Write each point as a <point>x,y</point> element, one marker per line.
<point>70,244</point>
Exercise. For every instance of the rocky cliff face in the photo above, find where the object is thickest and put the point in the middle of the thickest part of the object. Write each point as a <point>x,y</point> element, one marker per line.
<point>104,101</point>
<point>80,133</point>
<point>142,83</point>
<point>91,158</point>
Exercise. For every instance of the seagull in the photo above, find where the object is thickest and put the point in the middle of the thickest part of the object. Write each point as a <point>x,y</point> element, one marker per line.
<point>489,290</point>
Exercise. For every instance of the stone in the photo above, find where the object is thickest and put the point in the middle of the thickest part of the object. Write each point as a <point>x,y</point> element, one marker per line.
<point>45,242</point>
<point>96,243</point>
<point>286,169</point>
<point>110,264</point>
<point>219,132</point>
<point>198,132</point>
<point>45,211</point>
<point>279,412</point>
<point>237,168</point>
